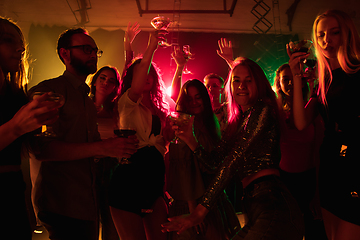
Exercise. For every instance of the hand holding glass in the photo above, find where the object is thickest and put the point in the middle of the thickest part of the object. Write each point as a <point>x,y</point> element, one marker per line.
<point>47,131</point>
<point>161,23</point>
<point>179,119</point>
<point>124,132</point>
<point>305,47</point>
<point>300,46</point>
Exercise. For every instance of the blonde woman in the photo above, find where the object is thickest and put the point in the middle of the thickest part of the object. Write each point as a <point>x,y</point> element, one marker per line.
<point>337,46</point>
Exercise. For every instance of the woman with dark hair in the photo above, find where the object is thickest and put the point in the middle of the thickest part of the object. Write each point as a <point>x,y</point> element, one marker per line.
<point>17,118</point>
<point>337,47</point>
<point>104,89</point>
<point>283,87</point>
<point>299,153</point>
<point>195,100</point>
<point>136,189</point>
<point>187,178</point>
<point>250,150</point>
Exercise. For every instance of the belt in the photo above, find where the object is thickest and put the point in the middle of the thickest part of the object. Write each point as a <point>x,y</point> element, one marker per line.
<point>271,177</point>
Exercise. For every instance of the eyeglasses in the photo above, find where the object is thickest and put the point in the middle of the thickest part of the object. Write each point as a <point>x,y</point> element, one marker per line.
<point>88,49</point>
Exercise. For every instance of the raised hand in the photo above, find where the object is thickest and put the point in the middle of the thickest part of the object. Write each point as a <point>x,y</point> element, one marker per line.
<point>225,51</point>
<point>156,37</point>
<point>131,32</point>
<point>296,61</point>
<point>179,56</point>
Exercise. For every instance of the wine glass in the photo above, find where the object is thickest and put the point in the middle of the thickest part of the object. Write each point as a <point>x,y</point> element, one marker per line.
<point>187,52</point>
<point>188,55</point>
<point>311,60</point>
<point>179,119</point>
<point>302,46</point>
<point>126,129</point>
<point>47,130</point>
<point>161,23</point>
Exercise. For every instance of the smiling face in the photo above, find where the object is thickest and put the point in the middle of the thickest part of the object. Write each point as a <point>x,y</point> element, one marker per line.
<point>328,37</point>
<point>11,49</point>
<point>194,101</point>
<point>243,87</point>
<point>105,83</point>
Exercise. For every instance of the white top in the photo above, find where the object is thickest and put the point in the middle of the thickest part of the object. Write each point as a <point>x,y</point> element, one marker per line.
<point>136,115</point>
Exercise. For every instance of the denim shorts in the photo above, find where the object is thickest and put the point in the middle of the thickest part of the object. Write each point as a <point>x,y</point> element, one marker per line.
<point>271,210</point>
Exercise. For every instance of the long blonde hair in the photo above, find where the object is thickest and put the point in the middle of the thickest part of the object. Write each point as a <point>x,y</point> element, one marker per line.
<point>348,54</point>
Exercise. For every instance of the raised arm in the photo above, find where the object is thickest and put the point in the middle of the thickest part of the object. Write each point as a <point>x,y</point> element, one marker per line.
<point>130,34</point>
<point>142,69</point>
<point>225,51</point>
<point>180,59</point>
<point>303,115</point>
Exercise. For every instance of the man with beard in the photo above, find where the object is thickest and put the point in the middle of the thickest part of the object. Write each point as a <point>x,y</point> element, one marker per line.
<point>63,167</point>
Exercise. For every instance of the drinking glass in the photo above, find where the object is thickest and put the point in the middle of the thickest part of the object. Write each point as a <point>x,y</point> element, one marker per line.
<point>161,23</point>
<point>46,130</point>
<point>305,47</point>
<point>179,119</point>
<point>187,52</point>
<point>300,46</point>
<point>188,55</point>
<point>126,129</point>
<point>311,60</point>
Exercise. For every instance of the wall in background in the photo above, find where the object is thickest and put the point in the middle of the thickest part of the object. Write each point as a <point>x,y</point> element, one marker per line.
<point>268,50</point>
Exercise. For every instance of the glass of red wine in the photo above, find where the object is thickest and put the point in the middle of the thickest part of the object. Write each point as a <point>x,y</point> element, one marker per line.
<point>124,132</point>
<point>305,47</point>
<point>300,46</point>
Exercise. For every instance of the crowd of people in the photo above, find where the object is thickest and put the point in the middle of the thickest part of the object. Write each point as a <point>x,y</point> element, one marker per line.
<point>120,164</point>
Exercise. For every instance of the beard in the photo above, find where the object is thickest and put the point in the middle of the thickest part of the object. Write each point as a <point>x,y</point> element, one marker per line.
<point>83,68</point>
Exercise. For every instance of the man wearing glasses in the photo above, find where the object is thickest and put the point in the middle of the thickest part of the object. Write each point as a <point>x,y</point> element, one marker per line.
<point>63,170</point>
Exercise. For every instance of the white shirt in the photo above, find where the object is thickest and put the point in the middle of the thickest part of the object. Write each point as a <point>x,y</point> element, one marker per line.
<point>136,115</point>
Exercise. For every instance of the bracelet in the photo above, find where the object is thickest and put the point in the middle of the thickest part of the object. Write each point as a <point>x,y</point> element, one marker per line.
<point>298,75</point>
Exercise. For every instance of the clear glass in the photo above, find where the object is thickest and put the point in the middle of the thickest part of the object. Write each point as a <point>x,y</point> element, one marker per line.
<point>179,119</point>
<point>188,55</point>
<point>46,130</point>
<point>161,23</point>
